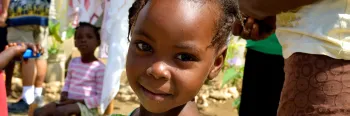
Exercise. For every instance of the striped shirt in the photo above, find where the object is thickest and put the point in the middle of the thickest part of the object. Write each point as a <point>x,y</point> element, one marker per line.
<point>84,81</point>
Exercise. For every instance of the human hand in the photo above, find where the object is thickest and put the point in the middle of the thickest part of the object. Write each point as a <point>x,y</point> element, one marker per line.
<point>19,48</point>
<point>254,29</point>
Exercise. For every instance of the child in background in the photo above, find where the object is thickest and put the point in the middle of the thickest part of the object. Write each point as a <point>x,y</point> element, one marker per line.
<point>12,50</point>
<point>172,52</point>
<point>83,86</point>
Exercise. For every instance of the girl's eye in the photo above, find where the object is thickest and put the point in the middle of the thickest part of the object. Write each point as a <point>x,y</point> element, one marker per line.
<point>90,36</point>
<point>186,57</point>
<point>142,46</point>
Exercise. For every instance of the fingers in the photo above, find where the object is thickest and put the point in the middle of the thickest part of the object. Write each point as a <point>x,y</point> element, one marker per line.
<point>255,31</point>
<point>248,28</point>
<point>40,49</point>
<point>237,28</point>
<point>33,47</point>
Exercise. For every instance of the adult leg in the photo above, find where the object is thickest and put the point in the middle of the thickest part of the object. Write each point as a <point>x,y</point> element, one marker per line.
<point>262,84</point>
<point>315,85</point>
<point>41,38</point>
<point>23,34</point>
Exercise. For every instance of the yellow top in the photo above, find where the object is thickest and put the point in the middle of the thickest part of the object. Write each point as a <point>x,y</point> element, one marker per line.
<point>321,28</point>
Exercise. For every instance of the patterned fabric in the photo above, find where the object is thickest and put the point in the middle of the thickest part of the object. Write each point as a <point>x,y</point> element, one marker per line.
<point>28,12</point>
<point>315,85</point>
<point>85,81</point>
<point>321,28</point>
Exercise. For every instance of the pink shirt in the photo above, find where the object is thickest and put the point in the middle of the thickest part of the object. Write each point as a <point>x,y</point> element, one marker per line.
<point>84,81</point>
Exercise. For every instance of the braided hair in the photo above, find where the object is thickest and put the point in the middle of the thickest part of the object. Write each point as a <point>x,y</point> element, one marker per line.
<point>229,13</point>
<point>96,30</point>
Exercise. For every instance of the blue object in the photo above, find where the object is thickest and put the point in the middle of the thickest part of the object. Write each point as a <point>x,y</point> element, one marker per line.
<point>29,54</point>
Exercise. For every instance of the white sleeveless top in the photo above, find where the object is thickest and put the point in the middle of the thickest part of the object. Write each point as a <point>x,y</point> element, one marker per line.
<point>321,28</point>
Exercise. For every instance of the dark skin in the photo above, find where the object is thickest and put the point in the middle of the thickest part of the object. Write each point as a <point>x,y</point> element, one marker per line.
<point>3,14</point>
<point>86,42</point>
<point>15,51</point>
<point>170,56</point>
<point>261,17</point>
<point>9,54</point>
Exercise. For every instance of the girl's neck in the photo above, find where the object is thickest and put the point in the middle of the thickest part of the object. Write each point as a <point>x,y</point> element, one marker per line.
<point>188,109</point>
<point>88,58</point>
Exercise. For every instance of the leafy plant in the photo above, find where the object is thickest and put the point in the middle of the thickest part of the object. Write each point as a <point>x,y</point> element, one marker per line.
<point>54,50</point>
<point>54,28</point>
<point>237,103</point>
<point>234,68</point>
<point>232,75</point>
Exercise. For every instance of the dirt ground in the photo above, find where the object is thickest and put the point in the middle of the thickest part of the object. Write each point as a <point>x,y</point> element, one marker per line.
<point>214,109</point>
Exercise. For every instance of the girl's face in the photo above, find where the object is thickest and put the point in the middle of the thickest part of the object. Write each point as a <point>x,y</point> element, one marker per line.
<point>170,56</point>
<point>85,40</point>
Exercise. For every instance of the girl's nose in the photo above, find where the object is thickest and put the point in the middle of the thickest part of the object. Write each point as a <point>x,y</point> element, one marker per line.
<point>83,40</point>
<point>159,70</point>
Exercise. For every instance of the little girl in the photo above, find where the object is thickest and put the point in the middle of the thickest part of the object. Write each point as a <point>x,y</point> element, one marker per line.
<point>83,86</point>
<point>175,46</point>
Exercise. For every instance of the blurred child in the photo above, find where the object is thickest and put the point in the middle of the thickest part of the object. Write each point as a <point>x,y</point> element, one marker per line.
<point>83,86</point>
<point>12,50</point>
<point>175,46</point>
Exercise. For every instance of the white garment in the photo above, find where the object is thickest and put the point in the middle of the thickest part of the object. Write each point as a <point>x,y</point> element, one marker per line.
<point>321,28</point>
<point>28,94</point>
<point>103,51</point>
<point>89,10</point>
<point>117,32</point>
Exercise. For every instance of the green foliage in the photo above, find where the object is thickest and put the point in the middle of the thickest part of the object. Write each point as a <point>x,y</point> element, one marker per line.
<point>118,115</point>
<point>54,28</point>
<point>237,103</point>
<point>232,75</point>
<point>233,69</point>
<point>55,49</point>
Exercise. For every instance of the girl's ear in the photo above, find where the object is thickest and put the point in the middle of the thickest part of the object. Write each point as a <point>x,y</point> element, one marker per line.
<point>218,63</point>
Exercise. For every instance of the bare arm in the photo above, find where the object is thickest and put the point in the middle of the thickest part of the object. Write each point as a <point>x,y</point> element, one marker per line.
<point>3,12</point>
<point>6,56</point>
<point>259,9</point>
<point>5,6</point>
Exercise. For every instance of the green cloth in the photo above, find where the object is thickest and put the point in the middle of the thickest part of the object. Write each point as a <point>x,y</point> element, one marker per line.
<point>269,45</point>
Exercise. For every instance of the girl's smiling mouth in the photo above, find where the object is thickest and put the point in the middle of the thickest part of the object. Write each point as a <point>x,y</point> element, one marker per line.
<point>154,95</point>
